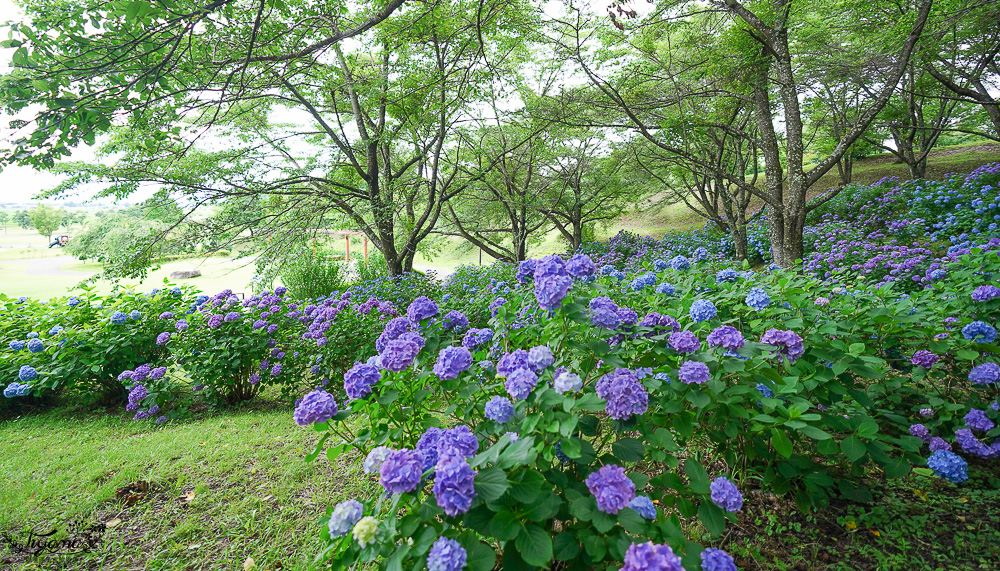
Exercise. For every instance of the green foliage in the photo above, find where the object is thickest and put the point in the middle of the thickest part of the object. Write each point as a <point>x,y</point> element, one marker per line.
<point>311,272</point>
<point>46,220</point>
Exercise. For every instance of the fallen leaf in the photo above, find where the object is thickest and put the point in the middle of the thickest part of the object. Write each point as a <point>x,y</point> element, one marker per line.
<point>188,497</point>
<point>249,564</point>
<point>112,523</point>
<point>266,498</point>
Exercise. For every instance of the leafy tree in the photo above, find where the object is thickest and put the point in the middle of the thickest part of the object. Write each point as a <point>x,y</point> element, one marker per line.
<point>23,219</point>
<point>4,218</point>
<point>46,220</point>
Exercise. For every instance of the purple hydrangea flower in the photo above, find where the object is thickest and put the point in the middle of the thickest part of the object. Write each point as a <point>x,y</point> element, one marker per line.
<point>495,306</point>
<point>612,489</point>
<point>232,316</point>
<point>580,266</point>
<point>540,358</point>
<point>551,290</point>
<point>316,407</point>
<point>604,313</point>
<point>985,374</point>
<point>624,393</point>
<point>921,432</point>
<point>651,556</point>
<point>938,443</point>
<point>399,354</point>
<point>924,359</point>
<point>788,343</point>
<point>360,379</point>
<point>499,409</point>
<point>476,337</point>
<point>726,337</point>
<point>157,373</point>
<point>452,361</point>
<point>453,483</point>
<point>512,362</point>
<point>162,338</point>
<point>446,555</point>
<point>428,446</point>
<point>628,316</point>
<point>985,293</point>
<point>976,420</point>
<point>684,341</point>
<point>822,301</point>
<point>694,373</point>
<point>520,383</point>
<point>716,560</point>
<point>456,320</point>
<point>525,271</point>
<point>215,321</point>
<point>422,308</point>
<point>927,412</point>
<point>726,495</point>
<point>276,370</point>
<point>254,379</point>
<point>401,471</point>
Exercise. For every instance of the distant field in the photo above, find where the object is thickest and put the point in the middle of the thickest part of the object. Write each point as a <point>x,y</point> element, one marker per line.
<point>29,268</point>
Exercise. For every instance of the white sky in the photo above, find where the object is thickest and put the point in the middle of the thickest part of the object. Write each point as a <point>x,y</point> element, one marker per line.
<point>21,184</point>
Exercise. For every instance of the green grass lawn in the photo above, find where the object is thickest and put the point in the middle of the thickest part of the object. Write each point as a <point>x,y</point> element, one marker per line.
<point>222,488</point>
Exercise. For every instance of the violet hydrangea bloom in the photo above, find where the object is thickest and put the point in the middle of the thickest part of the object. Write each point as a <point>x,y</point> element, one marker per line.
<point>788,343</point>
<point>520,383</point>
<point>628,316</point>
<point>612,489</point>
<point>551,290</point>
<point>927,412</point>
<point>985,374</point>
<point>359,380</point>
<point>540,358</point>
<point>499,409</point>
<point>924,359</point>
<point>181,325</point>
<point>976,420</point>
<point>651,556</point>
<point>162,338</point>
<point>604,313</point>
<point>716,560</point>
<point>451,361</point>
<point>512,362</point>
<point>215,321</point>
<point>684,341</point>
<point>937,443</point>
<point>985,293</point>
<point>476,337</point>
<point>422,308</point>
<point>495,306</point>
<point>624,393</point>
<point>822,301</point>
<point>456,320</point>
<point>401,471</point>
<point>644,507</point>
<point>399,354</point>
<point>446,555</point>
<point>453,483</point>
<point>580,266</point>
<point>459,438</point>
<point>726,495</point>
<point>702,310</point>
<point>727,337</point>
<point>921,432</point>
<point>316,407</point>
<point>525,271</point>
<point>694,373</point>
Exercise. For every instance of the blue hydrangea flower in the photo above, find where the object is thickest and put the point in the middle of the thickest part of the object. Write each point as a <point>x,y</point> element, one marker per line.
<point>422,308</point>
<point>684,341</point>
<point>525,271</point>
<point>727,275</point>
<point>644,507</point>
<point>453,483</point>
<point>757,299</point>
<point>35,346</point>
<point>520,383</point>
<point>566,382</point>
<point>540,358</point>
<point>949,466</point>
<point>456,320</point>
<point>726,495</point>
<point>612,489</point>
<point>344,516</point>
<point>624,393</point>
<point>703,310</point>
<point>135,315</point>
<point>643,281</point>
<point>373,462</point>
<point>360,380</point>
<point>476,337</point>
<point>694,373</point>
<point>651,556</point>
<point>985,374</point>
<point>451,361</point>
<point>399,354</point>
<point>985,293</point>
<point>551,290</point>
<point>316,407</point>
<point>118,318</point>
<point>27,373</point>
<point>980,332</point>
<point>765,390</point>
<point>700,254</point>
<point>976,420</point>
<point>402,470</point>
<point>679,263</point>
<point>512,362</point>
<point>665,289</point>
<point>604,313</point>
<point>580,266</point>
<point>499,409</point>
<point>659,265</point>
<point>446,555</point>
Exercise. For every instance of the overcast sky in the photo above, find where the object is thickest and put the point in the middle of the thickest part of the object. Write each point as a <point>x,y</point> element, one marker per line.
<point>21,184</point>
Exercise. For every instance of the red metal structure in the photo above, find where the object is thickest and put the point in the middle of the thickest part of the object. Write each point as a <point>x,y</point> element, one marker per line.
<point>347,240</point>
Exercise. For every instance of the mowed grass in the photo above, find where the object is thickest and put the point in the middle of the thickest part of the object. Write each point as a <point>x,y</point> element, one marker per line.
<point>222,488</point>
